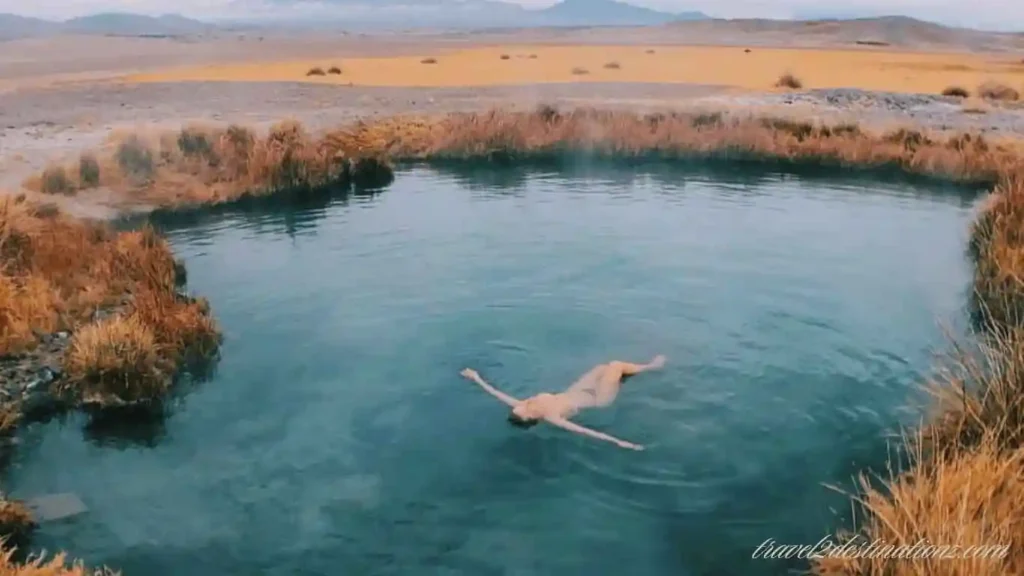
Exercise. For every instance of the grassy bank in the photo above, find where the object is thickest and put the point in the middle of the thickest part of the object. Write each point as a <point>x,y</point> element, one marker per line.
<point>963,484</point>
<point>201,165</point>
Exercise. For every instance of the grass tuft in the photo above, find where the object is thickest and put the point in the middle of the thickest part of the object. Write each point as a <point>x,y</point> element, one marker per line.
<point>956,91</point>
<point>997,91</point>
<point>55,181</point>
<point>789,81</point>
<point>88,170</point>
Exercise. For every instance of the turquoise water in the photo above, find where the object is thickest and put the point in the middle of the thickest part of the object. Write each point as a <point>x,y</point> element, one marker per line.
<point>336,437</point>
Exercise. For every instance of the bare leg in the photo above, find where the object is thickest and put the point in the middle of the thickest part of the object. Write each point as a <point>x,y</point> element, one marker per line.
<point>607,378</point>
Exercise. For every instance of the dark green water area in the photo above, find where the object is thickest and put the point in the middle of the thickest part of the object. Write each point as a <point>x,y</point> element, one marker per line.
<point>799,314</point>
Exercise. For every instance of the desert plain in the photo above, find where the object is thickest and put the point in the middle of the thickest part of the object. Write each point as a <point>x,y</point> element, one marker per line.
<point>60,95</point>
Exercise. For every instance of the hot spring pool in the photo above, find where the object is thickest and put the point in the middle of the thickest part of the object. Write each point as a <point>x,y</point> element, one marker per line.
<point>798,315</point>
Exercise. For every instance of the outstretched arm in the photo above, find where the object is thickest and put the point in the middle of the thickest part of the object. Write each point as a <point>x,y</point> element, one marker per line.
<point>573,427</point>
<point>472,375</point>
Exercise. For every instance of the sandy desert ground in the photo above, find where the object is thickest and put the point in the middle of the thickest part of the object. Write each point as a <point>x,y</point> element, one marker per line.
<point>60,95</point>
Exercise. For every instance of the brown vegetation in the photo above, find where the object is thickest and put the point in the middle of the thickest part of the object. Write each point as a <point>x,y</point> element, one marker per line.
<point>504,56</point>
<point>612,65</point>
<point>315,71</point>
<point>957,92</point>
<point>56,566</point>
<point>428,61</point>
<point>580,71</point>
<point>16,520</point>
<point>208,165</point>
<point>334,70</point>
<point>790,81</point>
<point>58,272</point>
<point>997,91</point>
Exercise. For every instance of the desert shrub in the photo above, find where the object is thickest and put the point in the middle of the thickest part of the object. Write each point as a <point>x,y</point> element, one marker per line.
<point>532,56</point>
<point>135,159</point>
<point>612,65</point>
<point>88,170</point>
<point>649,51</point>
<point>997,91</point>
<point>504,56</point>
<point>315,71</point>
<point>428,61</point>
<point>790,81</point>
<point>956,91</point>
<point>334,70</point>
<point>55,181</point>
<point>579,71</point>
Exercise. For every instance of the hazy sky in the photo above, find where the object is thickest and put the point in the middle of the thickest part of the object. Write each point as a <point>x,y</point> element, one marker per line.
<point>1004,14</point>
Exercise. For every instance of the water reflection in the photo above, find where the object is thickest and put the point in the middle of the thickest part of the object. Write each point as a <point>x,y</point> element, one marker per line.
<point>293,214</point>
<point>671,176</point>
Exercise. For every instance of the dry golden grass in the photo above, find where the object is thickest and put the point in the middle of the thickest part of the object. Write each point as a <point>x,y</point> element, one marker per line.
<point>59,271</point>
<point>969,499</point>
<point>56,566</point>
<point>16,520</point>
<point>208,165</point>
<point>116,362</point>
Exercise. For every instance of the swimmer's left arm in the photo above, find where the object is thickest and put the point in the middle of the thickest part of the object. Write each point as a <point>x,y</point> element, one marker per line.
<point>472,375</point>
<point>573,427</point>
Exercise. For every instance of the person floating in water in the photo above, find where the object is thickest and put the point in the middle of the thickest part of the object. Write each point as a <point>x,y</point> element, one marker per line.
<point>596,388</point>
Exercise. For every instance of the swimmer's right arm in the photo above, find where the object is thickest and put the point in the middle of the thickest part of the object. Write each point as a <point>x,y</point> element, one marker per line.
<point>472,375</point>
<point>573,427</point>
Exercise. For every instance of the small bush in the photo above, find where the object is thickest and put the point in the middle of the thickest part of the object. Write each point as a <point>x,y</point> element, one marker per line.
<point>135,159</point>
<point>504,56</point>
<point>532,56</point>
<point>88,170</point>
<point>613,66</point>
<point>315,71</point>
<point>790,81</point>
<point>195,143</point>
<point>334,70</point>
<point>115,362</point>
<point>578,71</point>
<point>428,61</point>
<point>746,50</point>
<point>55,181</point>
<point>649,51</point>
<point>956,91</point>
<point>997,91</point>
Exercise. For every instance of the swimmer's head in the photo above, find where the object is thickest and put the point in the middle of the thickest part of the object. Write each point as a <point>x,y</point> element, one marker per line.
<point>521,422</point>
<point>524,415</point>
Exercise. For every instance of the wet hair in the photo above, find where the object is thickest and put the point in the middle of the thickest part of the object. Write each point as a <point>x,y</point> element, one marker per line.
<point>523,423</point>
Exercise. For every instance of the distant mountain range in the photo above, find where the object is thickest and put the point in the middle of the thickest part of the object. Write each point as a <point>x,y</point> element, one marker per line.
<point>437,14</point>
<point>339,14</point>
